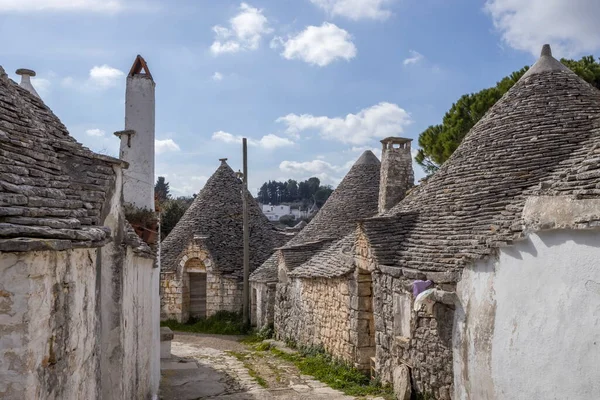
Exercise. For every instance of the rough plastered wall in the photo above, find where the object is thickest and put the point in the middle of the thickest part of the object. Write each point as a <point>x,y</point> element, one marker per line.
<point>49,325</point>
<point>420,341</point>
<point>316,312</point>
<point>129,311</point>
<point>138,149</point>
<point>262,297</point>
<point>529,326</point>
<point>141,327</point>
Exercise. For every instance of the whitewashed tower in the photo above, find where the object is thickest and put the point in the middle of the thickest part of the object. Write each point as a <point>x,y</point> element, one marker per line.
<point>137,140</point>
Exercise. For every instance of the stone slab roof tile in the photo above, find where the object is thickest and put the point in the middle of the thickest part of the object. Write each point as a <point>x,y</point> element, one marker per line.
<point>53,190</point>
<point>544,132</point>
<point>216,216</point>
<point>336,260</point>
<point>267,272</point>
<point>356,197</point>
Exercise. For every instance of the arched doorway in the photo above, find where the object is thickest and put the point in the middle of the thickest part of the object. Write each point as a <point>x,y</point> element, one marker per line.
<point>196,276</point>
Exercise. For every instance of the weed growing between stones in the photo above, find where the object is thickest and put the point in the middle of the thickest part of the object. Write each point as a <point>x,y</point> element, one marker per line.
<point>257,336</point>
<point>251,371</point>
<point>221,323</point>
<point>316,362</point>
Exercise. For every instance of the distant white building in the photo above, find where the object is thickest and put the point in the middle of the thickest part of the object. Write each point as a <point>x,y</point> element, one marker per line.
<point>273,213</point>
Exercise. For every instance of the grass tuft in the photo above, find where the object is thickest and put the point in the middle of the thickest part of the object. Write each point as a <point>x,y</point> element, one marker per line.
<point>258,336</point>
<point>222,323</point>
<point>337,374</point>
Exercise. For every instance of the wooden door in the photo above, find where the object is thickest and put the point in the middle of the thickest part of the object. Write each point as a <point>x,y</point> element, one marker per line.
<point>197,295</point>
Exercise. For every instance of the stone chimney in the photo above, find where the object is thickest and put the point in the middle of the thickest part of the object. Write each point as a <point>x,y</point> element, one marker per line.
<point>397,174</point>
<point>137,140</point>
<point>26,75</point>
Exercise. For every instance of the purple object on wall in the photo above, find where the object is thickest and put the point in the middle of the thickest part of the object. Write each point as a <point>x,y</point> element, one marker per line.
<point>419,286</point>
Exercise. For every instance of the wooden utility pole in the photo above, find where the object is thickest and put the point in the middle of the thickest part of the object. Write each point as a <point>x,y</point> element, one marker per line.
<point>246,293</point>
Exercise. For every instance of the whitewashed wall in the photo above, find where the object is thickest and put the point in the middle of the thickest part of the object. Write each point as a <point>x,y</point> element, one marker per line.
<point>82,323</point>
<point>141,340</point>
<point>529,322</point>
<point>48,325</point>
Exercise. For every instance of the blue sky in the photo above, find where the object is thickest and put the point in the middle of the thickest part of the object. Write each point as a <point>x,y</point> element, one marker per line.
<point>311,83</point>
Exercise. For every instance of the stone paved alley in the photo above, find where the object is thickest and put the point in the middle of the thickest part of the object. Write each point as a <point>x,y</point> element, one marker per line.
<point>217,367</point>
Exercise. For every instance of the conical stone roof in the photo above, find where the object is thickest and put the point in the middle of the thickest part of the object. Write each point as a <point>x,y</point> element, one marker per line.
<point>355,197</point>
<point>216,216</point>
<point>542,128</point>
<point>54,192</point>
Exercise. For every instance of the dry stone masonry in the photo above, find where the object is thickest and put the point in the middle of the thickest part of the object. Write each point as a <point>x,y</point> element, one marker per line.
<point>208,240</point>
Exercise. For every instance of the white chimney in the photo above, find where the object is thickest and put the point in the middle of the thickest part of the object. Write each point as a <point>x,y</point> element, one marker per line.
<point>137,140</point>
<point>26,75</point>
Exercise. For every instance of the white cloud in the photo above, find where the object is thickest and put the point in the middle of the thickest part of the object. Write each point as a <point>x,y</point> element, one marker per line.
<point>104,76</point>
<point>329,174</point>
<point>95,132</point>
<point>109,6</point>
<point>318,45</point>
<point>355,9</point>
<point>182,183</point>
<point>41,85</point>
<point>100,77</point>
<point>244,33</point>
<point>67,81</point>
<point>378,121</point>
<point>226,137</point>
<point>271,141</point>
<point>165,145</point>
<point>362,149</point>
<point>268,142</point>
<point>217,76</point>
<point>414,58</point>
<point>570,26</point>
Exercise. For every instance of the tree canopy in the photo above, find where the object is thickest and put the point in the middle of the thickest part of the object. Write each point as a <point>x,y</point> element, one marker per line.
<point>172,209</point>
<point>438,142</point>
<point>161,189</point>
<point>307,191</point>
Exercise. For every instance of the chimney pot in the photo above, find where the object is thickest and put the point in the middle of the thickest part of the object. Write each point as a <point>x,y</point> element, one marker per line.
<point>26,74</point>
<point>25,71</point>
<point>546,50</point>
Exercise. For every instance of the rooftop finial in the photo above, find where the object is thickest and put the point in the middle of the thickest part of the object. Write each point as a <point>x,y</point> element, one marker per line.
<point>26,74</point>
<point>140,68</point>
<point>223,161</point>
<point>546,50</point>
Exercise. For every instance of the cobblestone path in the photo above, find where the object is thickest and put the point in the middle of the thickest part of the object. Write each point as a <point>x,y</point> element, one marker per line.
<point>219,367</point>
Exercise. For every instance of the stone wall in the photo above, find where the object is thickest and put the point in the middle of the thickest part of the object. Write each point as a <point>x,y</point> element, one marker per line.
<point>397,174</point>
<point>49,321</point>
<point>141,328</point>
<point>222,294</point>
<point>262,296</point>
<point>421,341</point>
<point>314,312</point>
<point>171,301</point>
<point>334,313</point>
<point>50,313</point>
